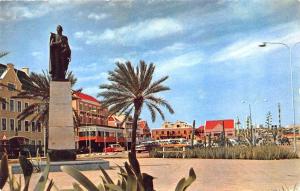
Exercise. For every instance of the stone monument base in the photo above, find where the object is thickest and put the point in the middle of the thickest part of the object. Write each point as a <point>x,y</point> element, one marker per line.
<point>83,165</point>
<point>62,155</point>
<point>61,128</point>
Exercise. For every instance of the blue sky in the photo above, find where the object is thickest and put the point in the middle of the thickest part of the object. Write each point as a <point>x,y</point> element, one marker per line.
<point>209,49</point>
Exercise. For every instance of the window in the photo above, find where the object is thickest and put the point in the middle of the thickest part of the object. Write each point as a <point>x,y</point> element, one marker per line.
<point>33,126</point>
<point>39,142</point>
<point>3,106</point>
<point>106,134</point>
<point>162,132</point>
<point>26,105</point>
<point>38,127</point>
<point>19,125</point>
<point>19,106</point>
<point>11,87</point>
<point>3,122</point>
<point>26,125</point>
<point>11,105</point>
<point>80,106</point>
<point>12,124</point>
<point>32,142</point>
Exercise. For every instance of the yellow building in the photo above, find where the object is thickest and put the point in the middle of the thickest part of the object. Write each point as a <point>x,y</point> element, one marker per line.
<point>177,124</point>
<point>30,132</point>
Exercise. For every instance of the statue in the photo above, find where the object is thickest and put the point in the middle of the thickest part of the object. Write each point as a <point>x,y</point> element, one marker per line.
<point>60,55</point>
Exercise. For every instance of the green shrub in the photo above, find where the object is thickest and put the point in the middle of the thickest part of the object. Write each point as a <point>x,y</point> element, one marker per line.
<point>270,152</point>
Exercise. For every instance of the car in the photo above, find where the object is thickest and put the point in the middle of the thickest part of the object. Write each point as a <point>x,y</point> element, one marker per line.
<point>141,148</point>
<point>114,148</point>
<point>146,146</point>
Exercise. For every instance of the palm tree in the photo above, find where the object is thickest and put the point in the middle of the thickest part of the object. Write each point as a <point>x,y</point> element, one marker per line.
<point>39,88</point>
<point>2,54</point>
<point>130,89</point>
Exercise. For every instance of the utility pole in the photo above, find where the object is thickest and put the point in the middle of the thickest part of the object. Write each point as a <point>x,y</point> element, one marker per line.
<point>193,134</point>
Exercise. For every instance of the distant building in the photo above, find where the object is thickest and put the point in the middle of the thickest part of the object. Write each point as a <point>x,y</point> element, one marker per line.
<point>89,110</point>
<point>25,133</point>
<point>177,124</point>
<point>169,130</point>
<point>215,127</point>
<point>145,130</point>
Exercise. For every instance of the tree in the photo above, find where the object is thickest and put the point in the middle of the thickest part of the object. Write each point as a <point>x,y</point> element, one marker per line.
<point>269,120</point>
<point>38,88</point>
<point>2,54</point>
<point>130,89</point>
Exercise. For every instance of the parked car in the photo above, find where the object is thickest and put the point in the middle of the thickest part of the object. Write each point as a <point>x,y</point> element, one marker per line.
<point>146,146</point>
<point>114,148</point>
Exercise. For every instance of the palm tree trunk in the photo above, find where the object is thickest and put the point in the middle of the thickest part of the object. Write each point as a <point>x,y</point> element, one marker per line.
<point>133,133</point>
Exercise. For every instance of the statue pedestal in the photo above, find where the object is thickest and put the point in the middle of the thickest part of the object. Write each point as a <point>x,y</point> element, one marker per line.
<point>61,144</point>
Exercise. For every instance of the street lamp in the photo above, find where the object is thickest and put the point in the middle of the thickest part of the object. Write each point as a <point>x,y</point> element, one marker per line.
<point>250,121</point>
<point>290,48</point>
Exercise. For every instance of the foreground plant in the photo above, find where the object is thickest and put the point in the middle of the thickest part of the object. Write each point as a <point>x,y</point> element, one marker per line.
<point>129,179</point>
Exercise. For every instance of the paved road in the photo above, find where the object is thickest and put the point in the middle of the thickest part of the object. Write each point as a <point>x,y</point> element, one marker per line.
<point>212,175</point>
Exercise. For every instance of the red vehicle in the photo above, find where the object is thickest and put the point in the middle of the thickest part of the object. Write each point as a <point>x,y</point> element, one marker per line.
<point>114,148</point>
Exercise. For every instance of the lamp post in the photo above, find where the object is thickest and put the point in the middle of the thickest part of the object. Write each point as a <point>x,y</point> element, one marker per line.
<point>250,121</point>
<point>290,48</point>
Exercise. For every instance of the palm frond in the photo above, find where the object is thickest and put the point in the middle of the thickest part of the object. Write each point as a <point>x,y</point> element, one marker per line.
<point>160,101</point>
<point>2,54</point>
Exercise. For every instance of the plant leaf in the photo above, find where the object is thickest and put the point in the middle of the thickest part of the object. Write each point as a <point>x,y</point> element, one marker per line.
<point>113,187</point>
<point>131,183</point>
<point>106,176</point>
<point>83,180</point>
<point>43,178</point>
<point>183,184</point>
<point>3,171</point>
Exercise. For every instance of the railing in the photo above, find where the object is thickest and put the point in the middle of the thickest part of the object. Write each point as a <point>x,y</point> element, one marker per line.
<point>164,150</point>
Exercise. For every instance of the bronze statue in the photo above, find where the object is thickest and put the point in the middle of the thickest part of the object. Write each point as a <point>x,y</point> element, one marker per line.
<point>60,55</point>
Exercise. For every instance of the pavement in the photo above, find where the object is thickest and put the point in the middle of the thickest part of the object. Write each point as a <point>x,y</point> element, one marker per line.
<point>212,174</point>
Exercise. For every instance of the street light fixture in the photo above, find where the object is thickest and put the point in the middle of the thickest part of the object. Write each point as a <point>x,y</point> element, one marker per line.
<point>290,48</point>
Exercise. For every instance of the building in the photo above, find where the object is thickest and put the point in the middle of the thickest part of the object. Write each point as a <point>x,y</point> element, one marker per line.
<point>14,132</point>
<point>145,130</point>
<point>118,121</point>
<point>216,127</point>
<point>177,124</point>
<point>169,130</point>
<point>89,110</point>
<point>97,129</point>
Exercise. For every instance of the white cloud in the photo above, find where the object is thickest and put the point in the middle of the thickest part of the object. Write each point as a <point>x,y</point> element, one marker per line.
<point>248,46</point>
<point>182,61</point>
<point>36,53</point>
<point>97,17</point>
<point>173,48</point>
<point>21,12</point>
<point>134,32</point>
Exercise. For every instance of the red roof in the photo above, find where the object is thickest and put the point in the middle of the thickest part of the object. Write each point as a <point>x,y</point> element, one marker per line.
<point>228,124</point>
<point>86,97</point>
<point>201,127</point>
<point>142,124</point>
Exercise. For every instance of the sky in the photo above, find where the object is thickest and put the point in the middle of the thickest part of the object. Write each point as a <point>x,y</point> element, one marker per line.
<point>209,49</point>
